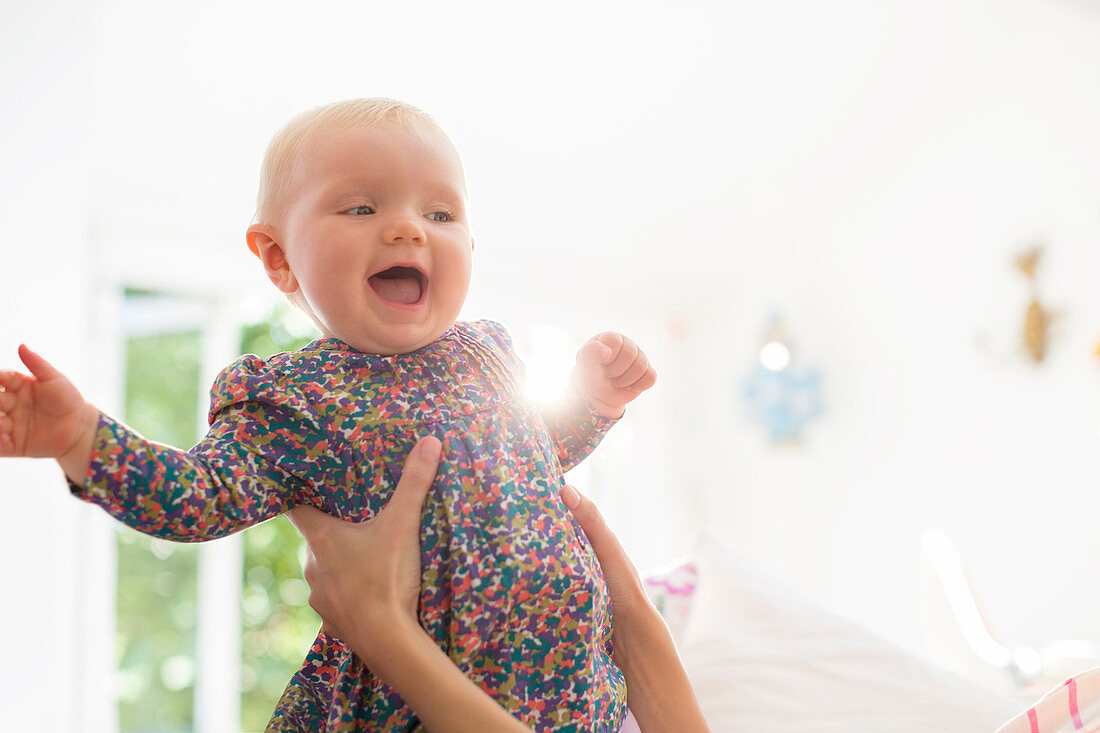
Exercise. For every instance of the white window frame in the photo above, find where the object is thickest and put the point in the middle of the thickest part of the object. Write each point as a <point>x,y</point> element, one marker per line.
<point>217,690</point>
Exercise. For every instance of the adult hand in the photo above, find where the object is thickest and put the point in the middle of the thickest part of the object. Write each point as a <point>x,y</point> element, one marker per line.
<point>364,580</point>
<point>629,601</point>
<point>658,690</point>
<point>364,577</point>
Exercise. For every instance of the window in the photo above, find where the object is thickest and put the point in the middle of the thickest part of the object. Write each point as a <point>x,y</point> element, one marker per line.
<point>166,654</point>
<point>155,632</point>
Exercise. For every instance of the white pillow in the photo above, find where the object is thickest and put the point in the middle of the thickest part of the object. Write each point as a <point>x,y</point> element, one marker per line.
<point>764,660</point>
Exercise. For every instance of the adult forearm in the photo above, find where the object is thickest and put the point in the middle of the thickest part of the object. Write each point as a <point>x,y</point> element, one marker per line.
<point>444,699</point>
<point>658,690</point>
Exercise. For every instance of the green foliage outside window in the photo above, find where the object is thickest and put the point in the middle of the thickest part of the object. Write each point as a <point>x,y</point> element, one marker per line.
<point>157,579</point>
<point>155,635</point>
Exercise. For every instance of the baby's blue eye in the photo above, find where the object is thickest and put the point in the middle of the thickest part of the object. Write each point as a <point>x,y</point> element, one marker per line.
<point>360,211</point>
<point>440,216</point>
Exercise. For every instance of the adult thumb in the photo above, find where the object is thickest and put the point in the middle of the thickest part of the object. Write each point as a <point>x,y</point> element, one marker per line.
<point>604,542</point>
<point>416,477</point>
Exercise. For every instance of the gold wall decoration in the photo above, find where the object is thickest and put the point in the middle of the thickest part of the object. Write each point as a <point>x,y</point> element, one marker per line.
<point>1037,318</point>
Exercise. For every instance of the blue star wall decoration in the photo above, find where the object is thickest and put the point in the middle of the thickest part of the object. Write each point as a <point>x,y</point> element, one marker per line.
<point>779,396</point>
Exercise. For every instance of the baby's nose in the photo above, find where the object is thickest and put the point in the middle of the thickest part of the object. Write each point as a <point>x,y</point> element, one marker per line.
<point>404,229</point>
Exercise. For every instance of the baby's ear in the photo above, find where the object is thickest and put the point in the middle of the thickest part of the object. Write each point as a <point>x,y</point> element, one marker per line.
<point>263,240</point>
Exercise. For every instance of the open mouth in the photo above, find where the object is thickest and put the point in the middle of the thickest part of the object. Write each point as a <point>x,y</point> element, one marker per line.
<point>401,285</point>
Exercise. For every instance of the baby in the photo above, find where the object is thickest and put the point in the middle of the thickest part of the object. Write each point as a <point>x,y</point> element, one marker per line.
<point>362,223</point>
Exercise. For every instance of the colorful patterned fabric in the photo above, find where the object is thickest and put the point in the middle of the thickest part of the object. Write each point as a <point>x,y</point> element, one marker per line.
<point>510,588</point>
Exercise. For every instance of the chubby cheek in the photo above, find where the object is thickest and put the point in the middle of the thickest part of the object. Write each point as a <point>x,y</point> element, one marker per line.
<point>327,261</point>
<point>456,283</point>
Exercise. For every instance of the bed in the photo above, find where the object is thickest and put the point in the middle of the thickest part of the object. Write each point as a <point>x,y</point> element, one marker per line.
<point>763,659</point>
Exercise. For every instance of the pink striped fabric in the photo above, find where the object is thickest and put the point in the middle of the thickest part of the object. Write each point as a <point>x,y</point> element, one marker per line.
<point>1073,705</point>
<point>1074,711</point>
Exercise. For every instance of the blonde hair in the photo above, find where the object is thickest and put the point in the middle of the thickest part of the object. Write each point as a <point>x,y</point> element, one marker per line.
<point>282,153</point>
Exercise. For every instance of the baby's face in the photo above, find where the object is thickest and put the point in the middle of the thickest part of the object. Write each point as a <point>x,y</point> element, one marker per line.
<point>376,237</point>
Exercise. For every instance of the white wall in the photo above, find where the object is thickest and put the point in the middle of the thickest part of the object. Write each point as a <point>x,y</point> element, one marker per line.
<point>54,673</point>
<point>676,171</point>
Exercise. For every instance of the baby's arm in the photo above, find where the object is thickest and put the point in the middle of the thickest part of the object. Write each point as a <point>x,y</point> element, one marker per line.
<point>220,486</point>
<point>611,370</point>
<point>217,488</point>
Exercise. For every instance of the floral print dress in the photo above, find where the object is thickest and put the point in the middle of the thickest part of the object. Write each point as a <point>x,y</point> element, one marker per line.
<point>510,589</point>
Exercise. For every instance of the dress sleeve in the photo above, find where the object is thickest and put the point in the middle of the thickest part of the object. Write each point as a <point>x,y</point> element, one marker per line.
<point>246,469</point>
<point>575,428</point>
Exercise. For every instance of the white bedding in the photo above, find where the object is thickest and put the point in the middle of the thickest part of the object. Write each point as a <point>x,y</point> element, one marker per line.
<point>764,660</point>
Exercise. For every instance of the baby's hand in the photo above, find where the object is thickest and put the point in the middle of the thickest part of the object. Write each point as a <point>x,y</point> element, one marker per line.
<point>44,415</point>
<point>611,371</point>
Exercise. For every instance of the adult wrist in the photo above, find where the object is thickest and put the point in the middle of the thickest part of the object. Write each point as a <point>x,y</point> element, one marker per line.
<point>380,635</point>
<point>637,633</point>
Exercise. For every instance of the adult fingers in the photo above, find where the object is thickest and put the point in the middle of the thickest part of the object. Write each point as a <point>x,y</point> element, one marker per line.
<point>604,542</point>
<point>624,585</point>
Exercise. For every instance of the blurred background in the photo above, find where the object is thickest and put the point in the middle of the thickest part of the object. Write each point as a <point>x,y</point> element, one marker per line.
<point>860,241</point>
